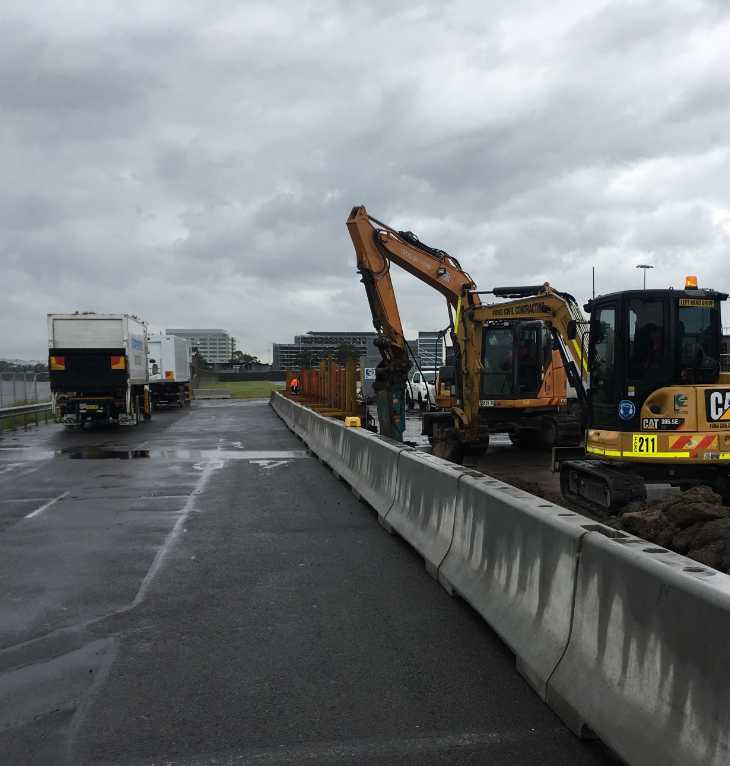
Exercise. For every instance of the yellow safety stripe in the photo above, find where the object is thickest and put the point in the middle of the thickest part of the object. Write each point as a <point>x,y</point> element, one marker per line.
<point>458,316</point>
<point>620,453</point>
<point>656,454</point>
<point>579,354</point>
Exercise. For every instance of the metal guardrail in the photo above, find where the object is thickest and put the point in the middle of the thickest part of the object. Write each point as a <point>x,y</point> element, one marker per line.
<point>24,409</point>
<point>211,393</point>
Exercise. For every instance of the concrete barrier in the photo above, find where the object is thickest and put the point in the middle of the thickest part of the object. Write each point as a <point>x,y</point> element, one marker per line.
<point>647,666</point>
<point>323,435</point>
<point>370,466</point>
<point>424,505</point>
<point>514,558</point>
<point>367,462</point>
<point>291,413</point>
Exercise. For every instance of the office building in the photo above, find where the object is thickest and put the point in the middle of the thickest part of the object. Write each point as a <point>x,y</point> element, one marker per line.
<point>310,349</point>
<point>431,351</point>
<point>215,346</point>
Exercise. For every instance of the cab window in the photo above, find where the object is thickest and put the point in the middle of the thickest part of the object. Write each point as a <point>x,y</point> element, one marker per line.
<point>497,361</point>
<point>646,337</point>
<point>602,357</point>
<point>697,334</point>
<point>529,367</point>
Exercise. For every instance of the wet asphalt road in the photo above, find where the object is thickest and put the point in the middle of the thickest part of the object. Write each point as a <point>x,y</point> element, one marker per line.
<point>198,591</point>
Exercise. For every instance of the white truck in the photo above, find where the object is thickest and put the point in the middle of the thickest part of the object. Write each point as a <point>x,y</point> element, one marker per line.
<point>98,368</point>
<point>420,391</point>
<point>170,363</point>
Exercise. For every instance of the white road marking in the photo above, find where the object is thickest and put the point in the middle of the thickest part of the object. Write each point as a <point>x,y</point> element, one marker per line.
<point>45,506</point>
<point>269,464</point>
<point>175,531</point>
<point>212,464</point>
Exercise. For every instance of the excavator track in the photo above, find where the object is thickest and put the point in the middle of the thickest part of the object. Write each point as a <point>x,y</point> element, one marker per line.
<point>598,487</point>
<point>562,430</point>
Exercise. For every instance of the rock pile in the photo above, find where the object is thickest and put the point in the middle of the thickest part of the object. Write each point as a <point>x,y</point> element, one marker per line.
<point>694,523</point>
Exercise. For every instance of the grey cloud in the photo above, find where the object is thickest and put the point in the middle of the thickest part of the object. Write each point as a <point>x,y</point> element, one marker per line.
<point>196,164</point>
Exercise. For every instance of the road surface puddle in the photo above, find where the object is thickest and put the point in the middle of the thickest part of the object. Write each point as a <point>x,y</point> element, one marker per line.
<point>165,453</point>
<point>107,453</point>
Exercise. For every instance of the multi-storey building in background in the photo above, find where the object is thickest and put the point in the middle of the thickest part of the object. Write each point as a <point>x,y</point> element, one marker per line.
<point>431,352</point>
<point>215,346</point>
<point>309,349</point>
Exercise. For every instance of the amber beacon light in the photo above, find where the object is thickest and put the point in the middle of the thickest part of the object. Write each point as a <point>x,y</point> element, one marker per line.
<point>690,282</point>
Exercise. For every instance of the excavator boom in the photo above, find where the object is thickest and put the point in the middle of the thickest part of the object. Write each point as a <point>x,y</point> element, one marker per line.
<point>516,394</point>
<point>376,246</point>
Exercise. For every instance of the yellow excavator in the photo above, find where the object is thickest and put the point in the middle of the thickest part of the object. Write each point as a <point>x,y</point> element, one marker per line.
<point>658,408</point>
<point>519,365</point>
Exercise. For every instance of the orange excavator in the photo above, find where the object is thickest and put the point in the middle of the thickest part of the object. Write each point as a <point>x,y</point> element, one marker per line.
<point>518,364</point>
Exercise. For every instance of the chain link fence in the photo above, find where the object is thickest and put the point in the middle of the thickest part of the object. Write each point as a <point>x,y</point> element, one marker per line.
<point>18,388</point>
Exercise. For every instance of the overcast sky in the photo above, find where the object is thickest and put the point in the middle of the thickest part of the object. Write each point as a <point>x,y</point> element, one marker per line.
<point>194,163</point>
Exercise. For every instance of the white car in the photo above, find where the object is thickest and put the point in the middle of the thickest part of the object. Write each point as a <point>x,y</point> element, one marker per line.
<point>420,392</point>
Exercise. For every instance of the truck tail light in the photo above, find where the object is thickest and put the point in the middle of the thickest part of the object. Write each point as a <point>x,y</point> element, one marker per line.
<point>58,363</point>
<point>119,363</point>
<point>169,375</point>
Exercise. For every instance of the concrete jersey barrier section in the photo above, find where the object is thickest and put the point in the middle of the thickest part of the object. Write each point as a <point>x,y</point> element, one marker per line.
<point>425,503</point>
<point>619,637</point>
<point>514,559</point>
<point>647,665</point>
<point>369,464</point>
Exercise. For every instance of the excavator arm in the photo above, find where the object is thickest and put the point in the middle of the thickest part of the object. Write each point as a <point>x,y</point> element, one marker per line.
<point>377,246</point>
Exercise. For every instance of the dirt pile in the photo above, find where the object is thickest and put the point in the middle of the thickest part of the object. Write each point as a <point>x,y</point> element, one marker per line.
<point>694,523</point>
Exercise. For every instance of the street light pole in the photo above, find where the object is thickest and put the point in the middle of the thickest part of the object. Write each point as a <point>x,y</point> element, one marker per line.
<point>644,267</point>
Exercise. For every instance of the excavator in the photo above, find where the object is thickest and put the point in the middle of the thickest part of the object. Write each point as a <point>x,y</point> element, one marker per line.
<point>514,361</point>
<point>532,374</point>
<point>658,409</point>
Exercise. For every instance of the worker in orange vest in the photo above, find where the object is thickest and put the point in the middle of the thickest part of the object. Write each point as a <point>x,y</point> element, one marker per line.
<point>294,385</point>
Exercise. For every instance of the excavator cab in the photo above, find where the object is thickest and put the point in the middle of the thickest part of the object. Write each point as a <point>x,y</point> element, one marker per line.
<point>515,357</point>
<point>658,404</point>
<point>645,340</point>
